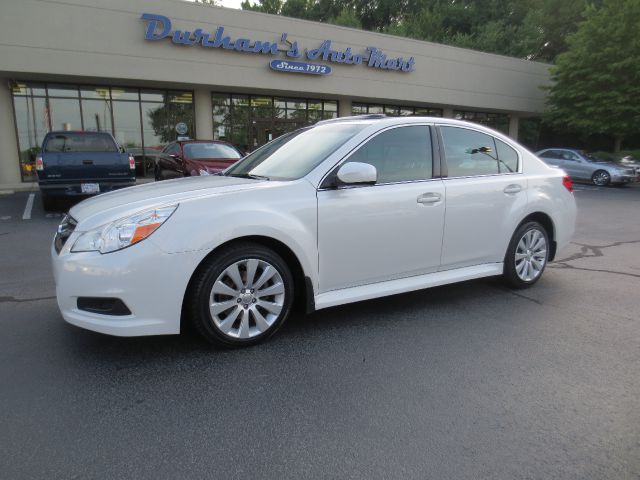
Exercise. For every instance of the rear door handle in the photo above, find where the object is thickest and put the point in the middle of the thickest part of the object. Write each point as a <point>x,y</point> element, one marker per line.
<point>513,188</point>
<point>429,198</point>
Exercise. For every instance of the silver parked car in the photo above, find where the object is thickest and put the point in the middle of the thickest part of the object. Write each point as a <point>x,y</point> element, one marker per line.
<point>582,166</point>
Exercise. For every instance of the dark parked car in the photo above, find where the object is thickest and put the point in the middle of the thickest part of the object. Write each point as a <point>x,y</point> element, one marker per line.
<point>582,166</point>
<point>186,158</point>
<point>81,163</point>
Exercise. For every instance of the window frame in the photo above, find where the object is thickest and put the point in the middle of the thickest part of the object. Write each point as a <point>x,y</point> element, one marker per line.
<point>443,156</point>
<point>327,182</point>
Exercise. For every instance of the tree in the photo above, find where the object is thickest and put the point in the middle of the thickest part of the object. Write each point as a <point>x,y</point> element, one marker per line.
<point>530,29</point>
<point>596,83</point>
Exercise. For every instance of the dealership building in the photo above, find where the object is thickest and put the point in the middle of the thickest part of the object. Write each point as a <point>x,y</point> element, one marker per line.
<point>140,68</point>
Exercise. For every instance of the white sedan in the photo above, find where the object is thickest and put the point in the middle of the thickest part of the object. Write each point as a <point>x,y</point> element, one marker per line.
<point>347,210</point>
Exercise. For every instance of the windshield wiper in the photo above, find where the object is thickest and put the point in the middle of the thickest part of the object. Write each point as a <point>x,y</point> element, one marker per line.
<point>248,175</point>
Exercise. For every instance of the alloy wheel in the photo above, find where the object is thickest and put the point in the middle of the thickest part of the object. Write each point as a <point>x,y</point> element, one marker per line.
<point>531,255</point>
<point>601,178</point>
<point>247,298</point>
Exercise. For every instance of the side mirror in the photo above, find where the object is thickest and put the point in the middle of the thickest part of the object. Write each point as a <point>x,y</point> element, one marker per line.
<point>357,173</point>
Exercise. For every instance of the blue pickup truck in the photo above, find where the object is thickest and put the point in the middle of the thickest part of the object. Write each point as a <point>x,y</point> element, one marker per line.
<point>81,163</point>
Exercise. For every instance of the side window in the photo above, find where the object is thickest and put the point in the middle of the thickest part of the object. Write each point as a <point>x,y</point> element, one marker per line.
<point>469,152</point>
<point>400,155</point>
<point>507,157</point>
<point>550,154</point>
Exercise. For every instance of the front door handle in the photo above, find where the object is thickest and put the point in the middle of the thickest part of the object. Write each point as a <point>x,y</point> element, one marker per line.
<point>428,198</point>
<point>513,188</point>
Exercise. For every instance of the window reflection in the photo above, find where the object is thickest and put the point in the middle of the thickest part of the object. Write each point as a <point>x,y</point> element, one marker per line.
<point>249,121</point>
<point>142,120</point>
<point>394,110</point>
<point>65,114</point>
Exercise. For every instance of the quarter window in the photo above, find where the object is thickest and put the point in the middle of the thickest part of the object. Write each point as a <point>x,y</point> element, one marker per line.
<point>399,155</point>
<point>507,157</point>
<point>469,152</point>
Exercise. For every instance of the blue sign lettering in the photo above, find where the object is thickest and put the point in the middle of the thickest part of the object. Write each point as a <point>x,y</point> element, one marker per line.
<point>300,67</point>
<point>159,27</point>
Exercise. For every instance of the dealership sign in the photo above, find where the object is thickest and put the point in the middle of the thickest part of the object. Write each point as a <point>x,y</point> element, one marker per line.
<point>159,28</point>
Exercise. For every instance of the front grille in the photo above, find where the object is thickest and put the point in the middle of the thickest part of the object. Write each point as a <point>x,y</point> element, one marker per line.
<point>65,229</point>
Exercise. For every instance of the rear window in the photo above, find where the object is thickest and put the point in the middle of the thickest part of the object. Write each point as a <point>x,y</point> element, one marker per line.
<point>210,150</point>
<point>80,142</point>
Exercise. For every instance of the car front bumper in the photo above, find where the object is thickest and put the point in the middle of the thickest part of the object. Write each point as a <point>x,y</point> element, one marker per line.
<point>623,178</point>
<point>150,282</point>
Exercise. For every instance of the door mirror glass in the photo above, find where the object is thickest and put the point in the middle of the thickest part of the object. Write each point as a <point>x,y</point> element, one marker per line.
<point>354,173</point>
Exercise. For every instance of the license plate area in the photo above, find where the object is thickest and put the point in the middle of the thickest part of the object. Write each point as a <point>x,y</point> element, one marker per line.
<point>90,188</point>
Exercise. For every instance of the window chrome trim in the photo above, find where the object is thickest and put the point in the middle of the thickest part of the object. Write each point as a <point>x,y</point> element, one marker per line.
<point>371,137</point>
<point>444,155</point>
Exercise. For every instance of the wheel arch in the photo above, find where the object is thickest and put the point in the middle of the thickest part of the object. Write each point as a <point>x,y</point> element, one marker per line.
<point>303,286</point>
<point>547,222</point>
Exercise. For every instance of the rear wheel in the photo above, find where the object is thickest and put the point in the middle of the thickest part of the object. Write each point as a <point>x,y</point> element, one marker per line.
<point>601,178</point>
<point>241,295</point>
<point>526,256</point>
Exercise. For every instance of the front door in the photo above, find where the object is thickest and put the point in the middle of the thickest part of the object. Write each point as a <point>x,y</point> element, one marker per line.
<point>389,230</point>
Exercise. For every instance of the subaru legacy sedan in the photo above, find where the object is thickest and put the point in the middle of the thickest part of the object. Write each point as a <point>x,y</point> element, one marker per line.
<point>346,210</point>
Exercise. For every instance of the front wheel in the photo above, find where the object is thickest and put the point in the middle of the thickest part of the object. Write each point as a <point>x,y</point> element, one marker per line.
<point>241,295</point>
<point>601,178</point>
<point>526,256</point>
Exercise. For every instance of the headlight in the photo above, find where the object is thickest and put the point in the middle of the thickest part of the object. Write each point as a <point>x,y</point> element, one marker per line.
<point>124,232</point>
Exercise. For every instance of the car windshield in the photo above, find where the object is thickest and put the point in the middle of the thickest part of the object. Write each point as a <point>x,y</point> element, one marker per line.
<point>294,155</point>
<point>80,142</point>
<point>210,150</point>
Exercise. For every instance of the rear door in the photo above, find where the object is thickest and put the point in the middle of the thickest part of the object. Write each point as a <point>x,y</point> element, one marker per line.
<point>83,156</point>
<point>485,192</point>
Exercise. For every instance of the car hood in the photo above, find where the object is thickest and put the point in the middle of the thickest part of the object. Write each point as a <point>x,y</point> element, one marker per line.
<point>111,206</point>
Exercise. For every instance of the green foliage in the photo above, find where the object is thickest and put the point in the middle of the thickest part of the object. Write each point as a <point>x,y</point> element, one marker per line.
<point>531,29</point>
<point>596,85</point>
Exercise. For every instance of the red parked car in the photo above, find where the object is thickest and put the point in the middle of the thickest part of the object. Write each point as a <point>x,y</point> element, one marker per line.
<point>186,158</point>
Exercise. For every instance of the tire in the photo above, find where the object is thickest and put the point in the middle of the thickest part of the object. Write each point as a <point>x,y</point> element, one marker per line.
<point>527,255</point>
<point>601,178</point>
<point>242,311</point>
<point>49,203</point>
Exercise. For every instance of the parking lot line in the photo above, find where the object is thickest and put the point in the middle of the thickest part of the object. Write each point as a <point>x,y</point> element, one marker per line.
<point>28,207</point>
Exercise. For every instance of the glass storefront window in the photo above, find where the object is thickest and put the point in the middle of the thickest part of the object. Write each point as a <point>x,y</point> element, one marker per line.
<point>118,93</point>
<point>69,91</point>
<point>32,124</point>
<point>139,125</point>
<point>126,119</point>
<point>97,93</point>
<point>497,121</point>
<point>151,96</point>
<point>395,110</point>
<point>249,121</point>
<point>29,89</point>
<point>96,115</point>
<point>65,114</point>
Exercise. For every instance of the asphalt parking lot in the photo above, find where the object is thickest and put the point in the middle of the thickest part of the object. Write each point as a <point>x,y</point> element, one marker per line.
<point>471,381</point>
